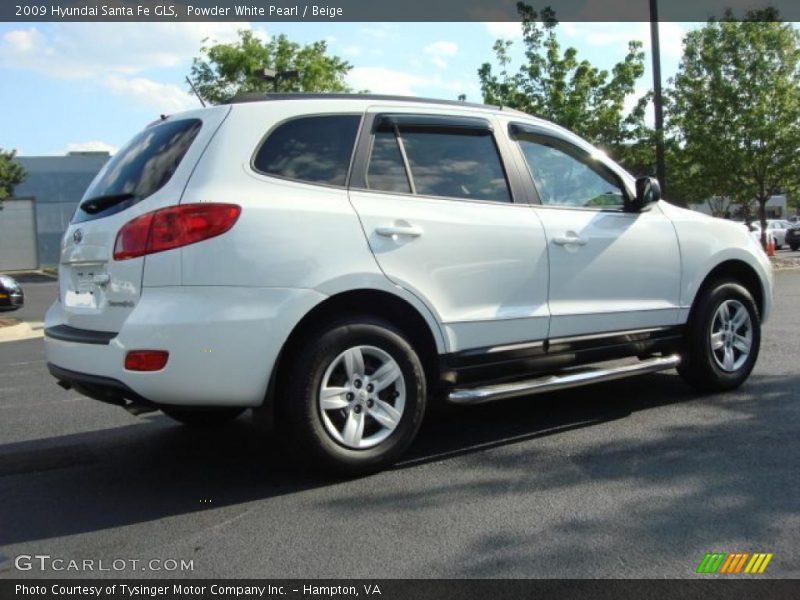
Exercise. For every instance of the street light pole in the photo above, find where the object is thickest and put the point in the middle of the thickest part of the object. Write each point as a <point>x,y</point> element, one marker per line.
<point>277,76</point>
<point>658,101</point>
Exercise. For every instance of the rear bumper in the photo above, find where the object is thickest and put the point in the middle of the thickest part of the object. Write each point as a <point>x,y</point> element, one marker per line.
<point>104,389</point>
<point>222,344</point>
<point>81,336</point>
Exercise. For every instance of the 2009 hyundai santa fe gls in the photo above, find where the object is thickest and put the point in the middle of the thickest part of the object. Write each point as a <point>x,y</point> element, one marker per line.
<point>338,261</point>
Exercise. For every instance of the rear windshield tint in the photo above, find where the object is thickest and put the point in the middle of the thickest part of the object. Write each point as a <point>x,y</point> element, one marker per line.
<point>311,149</point>
<point>139,170</point>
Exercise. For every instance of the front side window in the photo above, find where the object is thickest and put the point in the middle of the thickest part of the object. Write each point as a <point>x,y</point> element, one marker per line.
<point>311,149</point>
<point>567,176</point>
<point>453,164</point>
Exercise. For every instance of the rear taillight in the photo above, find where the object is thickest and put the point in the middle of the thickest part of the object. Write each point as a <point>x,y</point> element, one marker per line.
<point>146,360</point>
<point>174,227</point>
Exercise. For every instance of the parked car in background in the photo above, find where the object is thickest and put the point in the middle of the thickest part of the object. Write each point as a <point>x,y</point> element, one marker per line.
<point>11,294</point>
<point>755,232</point>
<point>339,262</point>
<point>776,230</point>
<point>793,236</point>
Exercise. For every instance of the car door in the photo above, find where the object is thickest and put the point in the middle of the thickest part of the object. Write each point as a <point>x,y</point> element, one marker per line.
<point>612,270</point>
<point>437,204</point>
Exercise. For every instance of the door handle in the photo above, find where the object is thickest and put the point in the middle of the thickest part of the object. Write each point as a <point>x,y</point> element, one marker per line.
<point>395,231</point>
<point>570,240</point>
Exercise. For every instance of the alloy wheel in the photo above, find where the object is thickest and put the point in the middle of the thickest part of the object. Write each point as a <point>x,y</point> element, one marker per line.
<point>362,397</point>
<point>731,336</point>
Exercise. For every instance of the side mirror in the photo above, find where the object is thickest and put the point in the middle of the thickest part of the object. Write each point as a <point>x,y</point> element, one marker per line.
<point>648,190</point>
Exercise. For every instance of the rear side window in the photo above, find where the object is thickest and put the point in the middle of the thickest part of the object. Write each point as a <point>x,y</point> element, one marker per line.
<point>456,165</point>
<point>310,149</point>
<point>463,164</point>
<point>386,171</point>
<point>140,169</point>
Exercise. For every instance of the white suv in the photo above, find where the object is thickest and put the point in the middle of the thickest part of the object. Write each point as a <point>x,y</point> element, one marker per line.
<point>339,261</point>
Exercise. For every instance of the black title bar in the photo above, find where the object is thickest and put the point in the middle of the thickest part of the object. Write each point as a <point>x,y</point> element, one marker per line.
<point>377,10</point>
<point>397,589</point>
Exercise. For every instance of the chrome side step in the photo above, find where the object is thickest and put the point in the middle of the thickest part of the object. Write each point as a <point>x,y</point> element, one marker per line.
<point>560,381</point>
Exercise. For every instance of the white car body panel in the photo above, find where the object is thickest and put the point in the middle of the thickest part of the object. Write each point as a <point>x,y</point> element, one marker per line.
<point>477,263</point>
<point>707,242</point>
<point>217,356</point>
<point>618,280</point>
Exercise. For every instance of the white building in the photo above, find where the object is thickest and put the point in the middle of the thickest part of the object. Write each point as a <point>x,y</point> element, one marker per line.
<point>777,207</point>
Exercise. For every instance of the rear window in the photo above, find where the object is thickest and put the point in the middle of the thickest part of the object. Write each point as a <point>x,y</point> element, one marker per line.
<point>311,149</point>
<point>139,170</point>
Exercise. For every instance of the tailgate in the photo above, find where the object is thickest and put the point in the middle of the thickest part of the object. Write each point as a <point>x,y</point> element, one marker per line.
<point>150,172</point>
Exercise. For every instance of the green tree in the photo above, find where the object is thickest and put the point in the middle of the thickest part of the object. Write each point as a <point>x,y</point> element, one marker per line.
<point>225,70</point>
<point>735,109</point>
<point>558,86</point>
<point>11,173</point>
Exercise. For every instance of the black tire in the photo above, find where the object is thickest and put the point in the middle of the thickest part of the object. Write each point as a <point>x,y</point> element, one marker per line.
<point>320,357</point>
<point>202,417</point>
<point>699,367</point>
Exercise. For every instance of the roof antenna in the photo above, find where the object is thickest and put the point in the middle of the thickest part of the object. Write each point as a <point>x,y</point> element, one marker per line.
<point>191,85</point>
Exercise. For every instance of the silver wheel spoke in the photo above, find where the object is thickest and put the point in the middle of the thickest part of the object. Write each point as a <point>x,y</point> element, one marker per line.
<point>332,398</point>
<point>385,376</point>
<point>728,362</point>
<point>354,362</point>
<point>385,414</point>
<point>723,314</point>
<point>739,317</point>
<point>742,344</point>
<point>353,428</point>
<point>717,341</point>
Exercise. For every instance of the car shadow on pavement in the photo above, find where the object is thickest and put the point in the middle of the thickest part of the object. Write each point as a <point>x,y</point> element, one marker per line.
<point>724,479</point>
<point>154,469</point>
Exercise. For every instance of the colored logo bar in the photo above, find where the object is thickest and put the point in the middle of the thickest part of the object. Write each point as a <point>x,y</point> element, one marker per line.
<point>734,563</point>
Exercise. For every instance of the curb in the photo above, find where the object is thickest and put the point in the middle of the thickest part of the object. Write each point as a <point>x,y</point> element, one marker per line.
<point>785,265</point>
<point>21,331</point>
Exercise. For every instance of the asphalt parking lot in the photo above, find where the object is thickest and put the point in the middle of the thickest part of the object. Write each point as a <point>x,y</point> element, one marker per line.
<point>636,478</point>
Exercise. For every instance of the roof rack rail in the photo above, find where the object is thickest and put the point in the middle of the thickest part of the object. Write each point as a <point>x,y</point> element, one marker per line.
<point>265,97</point>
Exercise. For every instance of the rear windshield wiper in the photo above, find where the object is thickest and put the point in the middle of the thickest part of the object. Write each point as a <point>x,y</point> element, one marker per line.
<point>98,204</point>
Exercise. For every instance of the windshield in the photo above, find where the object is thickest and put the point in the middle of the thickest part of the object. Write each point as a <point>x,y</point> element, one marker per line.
<point>140,169</point>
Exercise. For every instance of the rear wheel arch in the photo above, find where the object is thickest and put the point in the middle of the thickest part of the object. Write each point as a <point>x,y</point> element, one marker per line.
<point>370,303</point>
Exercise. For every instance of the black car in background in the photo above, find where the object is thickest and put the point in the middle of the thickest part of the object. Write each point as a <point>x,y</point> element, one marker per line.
<point>11,295</point>
<point>793,236</point>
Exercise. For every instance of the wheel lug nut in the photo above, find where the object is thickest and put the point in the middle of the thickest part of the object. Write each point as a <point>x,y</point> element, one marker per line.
<point>370,403</point>
<point>357,383</point>
<point>357,408</point>
<point>350,396</point>
<point>370,388</point>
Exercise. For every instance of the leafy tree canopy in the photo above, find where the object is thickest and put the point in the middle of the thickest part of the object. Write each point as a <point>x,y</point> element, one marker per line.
<point>735,108</point>
<point>558,86</point>
<point>225,70</point>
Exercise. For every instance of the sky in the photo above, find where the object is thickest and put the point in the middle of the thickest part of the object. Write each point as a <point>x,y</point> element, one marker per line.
<point>92,86</point>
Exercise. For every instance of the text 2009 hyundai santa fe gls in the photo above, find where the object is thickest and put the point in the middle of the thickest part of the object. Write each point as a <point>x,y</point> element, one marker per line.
<point>336,261</point>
